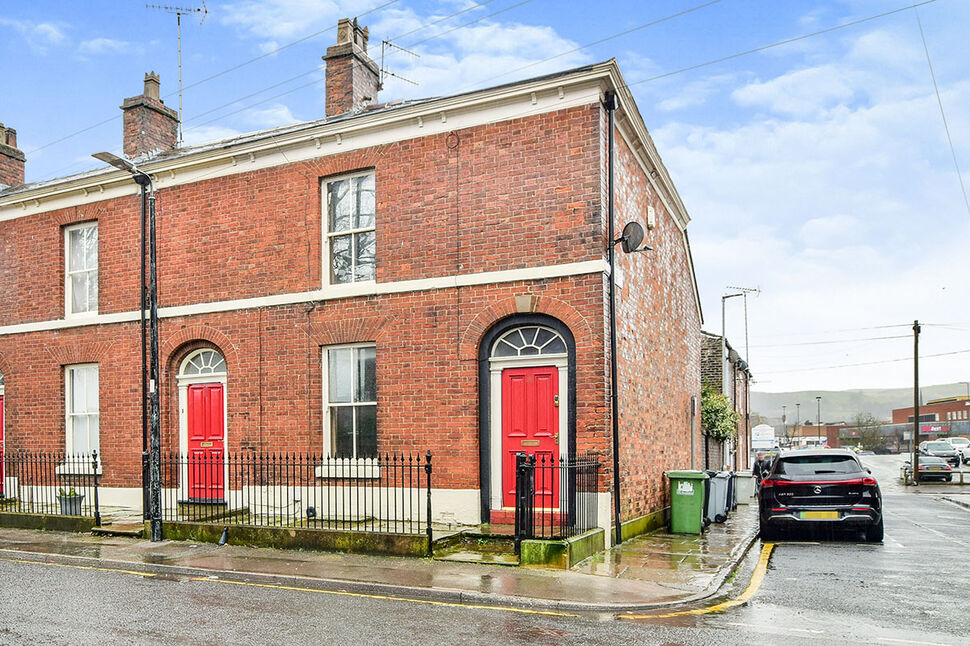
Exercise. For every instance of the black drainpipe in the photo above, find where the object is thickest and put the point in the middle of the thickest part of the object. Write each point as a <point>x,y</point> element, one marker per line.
<point>610,105</point>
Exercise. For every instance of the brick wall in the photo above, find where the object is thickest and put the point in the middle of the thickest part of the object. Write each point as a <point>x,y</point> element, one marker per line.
<point>148,126</point>
<point>509,195</point>
<point>522,193</point>
<point>658,347</point>
<point>712,374</point>
<point>427,373</point>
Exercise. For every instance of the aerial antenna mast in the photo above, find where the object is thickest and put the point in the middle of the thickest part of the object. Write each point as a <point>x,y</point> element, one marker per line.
<point>386,45</point>
<point>179,12</point>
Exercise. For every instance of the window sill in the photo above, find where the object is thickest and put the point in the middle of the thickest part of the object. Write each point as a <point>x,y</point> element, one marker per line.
<point>363,468</point>
<point>81,316</point>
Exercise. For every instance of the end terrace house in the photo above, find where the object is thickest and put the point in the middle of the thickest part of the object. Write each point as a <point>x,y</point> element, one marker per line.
<point>425,275</point>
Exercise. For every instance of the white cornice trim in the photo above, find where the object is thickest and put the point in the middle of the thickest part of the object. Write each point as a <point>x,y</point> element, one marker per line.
<point>629,117</point>
<point>419,120</point>
<point>330,293</point>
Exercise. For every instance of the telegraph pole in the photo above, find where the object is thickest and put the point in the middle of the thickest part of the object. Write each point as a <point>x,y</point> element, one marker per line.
<point>915,442</point>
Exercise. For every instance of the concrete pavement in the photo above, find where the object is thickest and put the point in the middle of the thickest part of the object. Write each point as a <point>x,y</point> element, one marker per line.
<point>648,571</point>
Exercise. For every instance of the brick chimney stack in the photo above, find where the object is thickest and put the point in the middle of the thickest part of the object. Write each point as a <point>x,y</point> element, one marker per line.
<point>12,160</point>
<point>353,79</point>
<point>149,125</point>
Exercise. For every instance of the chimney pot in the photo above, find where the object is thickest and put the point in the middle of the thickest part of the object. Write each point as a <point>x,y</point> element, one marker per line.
<point>150,126</point>
<point>152,85</point>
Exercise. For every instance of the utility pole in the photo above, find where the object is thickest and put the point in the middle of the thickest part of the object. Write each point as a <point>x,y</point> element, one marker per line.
<point>744,292</point>
<point>798,418</point>
<point>784,426</point>
<point>818,415</point>
<point>725,370</point>
<point>915,442</point>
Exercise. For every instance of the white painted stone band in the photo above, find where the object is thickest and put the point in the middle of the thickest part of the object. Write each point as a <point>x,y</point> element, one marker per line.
<point>331,292</point>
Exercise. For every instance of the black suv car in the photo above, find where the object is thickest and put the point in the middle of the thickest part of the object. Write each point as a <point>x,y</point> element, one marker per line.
<point>825,486</point>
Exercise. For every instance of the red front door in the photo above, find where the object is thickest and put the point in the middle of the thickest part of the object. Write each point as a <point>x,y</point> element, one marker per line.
<point>530,424</point>
<point>206,442</point>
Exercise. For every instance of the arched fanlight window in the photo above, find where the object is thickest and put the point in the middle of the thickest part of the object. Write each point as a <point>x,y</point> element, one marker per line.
<point>1,379</point>
<point>529,340</point>
<point>203,362</point>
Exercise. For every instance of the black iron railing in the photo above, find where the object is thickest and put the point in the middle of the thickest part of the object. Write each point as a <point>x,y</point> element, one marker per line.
<point>35,482</point>
<point>390,493</point>
<point>555,498</point>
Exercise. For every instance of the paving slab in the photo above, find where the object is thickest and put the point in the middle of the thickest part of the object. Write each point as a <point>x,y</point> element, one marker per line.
<point>648,571</point>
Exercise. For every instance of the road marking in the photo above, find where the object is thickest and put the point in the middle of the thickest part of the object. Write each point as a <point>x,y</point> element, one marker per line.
<point>930,529</point>
<point>212,579</point>
<point>894,540</point>
<point>756,578</point>
<point>910,641</point>
<point>385,597</point>
<point>82,567</point>
<point>775,628</point>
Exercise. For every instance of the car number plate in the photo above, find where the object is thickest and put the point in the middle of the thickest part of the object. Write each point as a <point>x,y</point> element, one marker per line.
<point>819,515</point>
<point>935,468</point>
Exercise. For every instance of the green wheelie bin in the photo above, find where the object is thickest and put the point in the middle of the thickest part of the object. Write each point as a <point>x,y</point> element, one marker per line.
<point>687,501</point>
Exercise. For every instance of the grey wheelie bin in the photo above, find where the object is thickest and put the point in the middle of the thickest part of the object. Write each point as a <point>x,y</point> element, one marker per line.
<point>717,499</point>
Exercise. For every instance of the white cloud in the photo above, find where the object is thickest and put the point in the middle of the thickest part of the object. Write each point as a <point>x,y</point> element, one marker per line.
<point>97,46</point>
<point>207,134</point>
<point>268,47</point>
<point>834,205</point>
<point>269,117</point>
<point>286,19</point>
<point>799,93</point>
<point>474,53</point>
<point>38,36</point>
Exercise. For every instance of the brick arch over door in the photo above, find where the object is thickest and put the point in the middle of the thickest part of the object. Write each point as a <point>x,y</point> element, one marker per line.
<point>483,354</point>
<point>501,309</point>
<point>5,367</point>
<point>173,344</point>
<point>175,348</point>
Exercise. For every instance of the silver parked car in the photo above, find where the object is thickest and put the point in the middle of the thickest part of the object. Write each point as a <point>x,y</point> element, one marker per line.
<point>962,445</point>
<point>941,449</point>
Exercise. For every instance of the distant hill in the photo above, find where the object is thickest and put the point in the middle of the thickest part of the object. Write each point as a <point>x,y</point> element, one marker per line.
<point>844,405</point>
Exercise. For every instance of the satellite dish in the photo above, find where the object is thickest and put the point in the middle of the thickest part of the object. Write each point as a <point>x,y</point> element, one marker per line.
<point>632,237</point>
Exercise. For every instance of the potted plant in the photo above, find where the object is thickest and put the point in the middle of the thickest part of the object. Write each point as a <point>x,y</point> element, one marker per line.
<point>70,501</point>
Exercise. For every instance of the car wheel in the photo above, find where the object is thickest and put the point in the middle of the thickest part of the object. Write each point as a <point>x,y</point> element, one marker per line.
<point>874,533</point>
<point>768,533</point>
<point>949,478</point>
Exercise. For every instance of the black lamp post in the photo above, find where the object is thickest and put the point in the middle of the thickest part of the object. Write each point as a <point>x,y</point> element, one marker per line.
<point>151,432</point>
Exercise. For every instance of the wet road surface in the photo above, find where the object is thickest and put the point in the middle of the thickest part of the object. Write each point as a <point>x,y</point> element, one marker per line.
<point>817,590</point>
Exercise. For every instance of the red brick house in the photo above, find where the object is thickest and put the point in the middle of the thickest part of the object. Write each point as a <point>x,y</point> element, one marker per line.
<point>719,360</point>
<point>407,276</point>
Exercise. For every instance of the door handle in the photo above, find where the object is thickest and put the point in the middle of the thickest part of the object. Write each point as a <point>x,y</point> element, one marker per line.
<point>555,401</point>
<point>557,437</point>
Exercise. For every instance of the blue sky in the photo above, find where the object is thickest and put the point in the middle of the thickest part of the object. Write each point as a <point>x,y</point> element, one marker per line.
<point>818,171</point>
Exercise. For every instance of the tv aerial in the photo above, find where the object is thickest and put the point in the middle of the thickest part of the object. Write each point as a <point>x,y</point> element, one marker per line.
<point>388,45</point>
<point>202,12</point>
